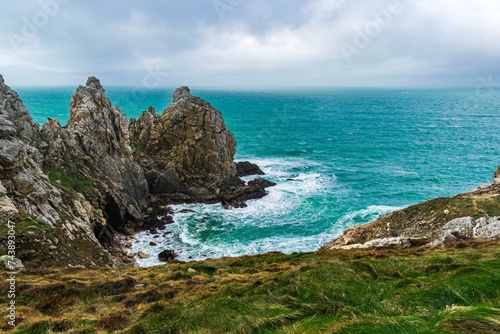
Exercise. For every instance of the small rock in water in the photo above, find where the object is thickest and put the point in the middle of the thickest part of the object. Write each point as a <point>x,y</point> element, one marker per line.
<point>187,211</point>
<point>128,244</point>
<point>143,255</point>
<point>131,255</point>
<point>156,236</point>
<point>245,168</point>
<point>167,255</point>
<point>152,243</point>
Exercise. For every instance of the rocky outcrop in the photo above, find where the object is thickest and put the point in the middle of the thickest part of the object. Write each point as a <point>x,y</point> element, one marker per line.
<point>94,149</point>
<point>50,221</point>
<point>68,189</point>
<point>246,168</point>
<point>187,153</point>
<point>473,215</point>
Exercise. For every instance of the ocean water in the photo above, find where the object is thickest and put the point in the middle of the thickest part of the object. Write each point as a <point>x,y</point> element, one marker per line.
<point>339,156</point>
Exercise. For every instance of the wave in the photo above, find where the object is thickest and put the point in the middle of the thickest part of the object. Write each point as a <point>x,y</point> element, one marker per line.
<point>297,215</point>
<point>189,246</point>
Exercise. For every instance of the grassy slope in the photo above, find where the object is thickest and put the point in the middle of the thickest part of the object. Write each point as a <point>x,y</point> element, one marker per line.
<point>456,290</point>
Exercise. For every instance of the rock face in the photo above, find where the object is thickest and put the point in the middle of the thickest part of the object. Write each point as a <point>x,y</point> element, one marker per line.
<point>466,216</point>
<point>94,148</point>
<point>50,220</point>
<point>188,153</point>
<point>68,189</point>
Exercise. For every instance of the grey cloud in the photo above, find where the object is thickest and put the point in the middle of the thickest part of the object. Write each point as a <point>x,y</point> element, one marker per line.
<point>254,43</point>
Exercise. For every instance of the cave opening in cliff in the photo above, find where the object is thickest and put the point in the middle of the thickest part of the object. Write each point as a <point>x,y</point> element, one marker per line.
<point>114,221</point>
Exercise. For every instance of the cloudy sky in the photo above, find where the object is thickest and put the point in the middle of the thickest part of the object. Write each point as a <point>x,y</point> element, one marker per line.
<point>251,43</point>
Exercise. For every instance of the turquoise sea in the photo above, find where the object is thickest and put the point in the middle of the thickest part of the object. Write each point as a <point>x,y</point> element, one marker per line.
<point>339,156</point>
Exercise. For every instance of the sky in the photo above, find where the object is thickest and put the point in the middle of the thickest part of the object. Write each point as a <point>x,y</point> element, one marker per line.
<point>251,43</point>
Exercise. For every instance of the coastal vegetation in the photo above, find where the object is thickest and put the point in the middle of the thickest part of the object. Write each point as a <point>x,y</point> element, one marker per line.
<point>451,289</point>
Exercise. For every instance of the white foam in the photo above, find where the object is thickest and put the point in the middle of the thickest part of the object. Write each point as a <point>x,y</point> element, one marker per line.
<point>292,206</point>
<point>365,215</point>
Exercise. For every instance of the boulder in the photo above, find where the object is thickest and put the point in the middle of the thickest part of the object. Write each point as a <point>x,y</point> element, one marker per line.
<point>167,255</point>
<point>246,168</point>
<point>11,264</point>
<point>143,255</point>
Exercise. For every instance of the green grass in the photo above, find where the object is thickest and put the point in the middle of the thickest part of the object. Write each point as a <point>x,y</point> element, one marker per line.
<point>23,225</point>
<point>454,290</point>
<point>65,180</point>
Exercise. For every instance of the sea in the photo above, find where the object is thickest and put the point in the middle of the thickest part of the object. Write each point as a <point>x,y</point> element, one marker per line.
<point>339,156</point>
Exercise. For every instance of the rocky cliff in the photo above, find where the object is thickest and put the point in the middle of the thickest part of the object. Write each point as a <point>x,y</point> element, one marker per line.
<point>70,188</point>
<point>94,151</point>
<point>473,215</point>
<point>51,220</point>
<point>187,153</point>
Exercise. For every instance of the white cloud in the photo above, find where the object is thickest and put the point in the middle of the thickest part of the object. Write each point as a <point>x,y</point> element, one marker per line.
<point>274,42</point>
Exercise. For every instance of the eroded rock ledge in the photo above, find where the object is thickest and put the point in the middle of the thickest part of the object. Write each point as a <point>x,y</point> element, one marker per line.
<point>69,188</point>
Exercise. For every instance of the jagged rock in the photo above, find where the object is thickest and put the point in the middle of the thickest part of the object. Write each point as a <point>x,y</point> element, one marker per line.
<point>246,168</point>
<point>167,255</point>
<point>188,153</point>
<point>83,180</point>
<point>254,190</point>
<point>192,147</point>
<point>27,195</point>
<point>465,228</point>
<point>487,228</point>
<point>94,147</point>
